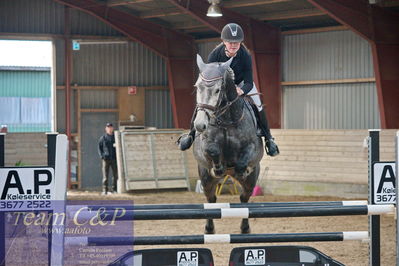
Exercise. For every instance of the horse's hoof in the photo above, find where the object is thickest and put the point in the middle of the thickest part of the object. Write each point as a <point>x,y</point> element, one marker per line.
<point>246,230</point>
<point>217,173</point>
<point>209,231</point>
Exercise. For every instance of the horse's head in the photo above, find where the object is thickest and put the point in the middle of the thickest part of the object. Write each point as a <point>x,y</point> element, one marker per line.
<point>210,90</point>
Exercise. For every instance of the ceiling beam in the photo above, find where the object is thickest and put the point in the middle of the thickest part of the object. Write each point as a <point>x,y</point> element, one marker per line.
<point>356,15</point>
<point>230,4</point>
<point>173,11</point>
<point>46,36</point>
<point>269,17</point>
<point>388,3</point>
<point>242,3</point>
<point>196,30</point>
<point>140,30</point>
<point>315,30</point>
<point>125,2</point>
<point>291,14</point>
<point>160,13</point>
<point>288,32</point>
<point>266,17</point>
<point>188,26</point>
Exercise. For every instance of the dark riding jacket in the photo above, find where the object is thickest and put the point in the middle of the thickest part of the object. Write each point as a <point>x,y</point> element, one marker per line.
<point>241,65</point>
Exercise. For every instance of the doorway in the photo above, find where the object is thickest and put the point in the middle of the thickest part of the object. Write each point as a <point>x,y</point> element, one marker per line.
<point>26,86</point>
<point>92,128</point>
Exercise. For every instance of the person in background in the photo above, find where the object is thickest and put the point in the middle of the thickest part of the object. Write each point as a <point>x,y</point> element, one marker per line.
<point>107,152</point>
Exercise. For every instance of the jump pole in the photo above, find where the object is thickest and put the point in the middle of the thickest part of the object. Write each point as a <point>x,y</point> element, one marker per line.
<point>373,235</point>
<point>122,215</point>
<point>201,206</point>
<point>221,238</point>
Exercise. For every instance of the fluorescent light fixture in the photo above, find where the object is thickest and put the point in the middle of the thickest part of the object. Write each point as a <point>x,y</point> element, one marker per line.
<point>214,9</point>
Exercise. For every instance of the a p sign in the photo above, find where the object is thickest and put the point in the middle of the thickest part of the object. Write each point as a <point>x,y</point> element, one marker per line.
<point>21,184</point>
<point>187,258</point>
<point>383,183</point>
<point>255,257</point>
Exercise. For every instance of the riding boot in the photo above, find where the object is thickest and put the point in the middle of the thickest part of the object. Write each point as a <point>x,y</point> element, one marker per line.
<point>270,146</point>
<point>186,140</point>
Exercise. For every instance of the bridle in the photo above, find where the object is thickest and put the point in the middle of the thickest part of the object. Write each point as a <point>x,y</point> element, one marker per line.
<point>216,111</point>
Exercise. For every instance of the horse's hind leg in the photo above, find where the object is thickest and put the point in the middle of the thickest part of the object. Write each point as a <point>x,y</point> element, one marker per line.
<point>209,185</point>
<point>247,187</point>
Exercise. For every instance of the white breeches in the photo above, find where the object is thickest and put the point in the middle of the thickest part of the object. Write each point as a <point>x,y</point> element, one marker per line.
<point>255,98</point>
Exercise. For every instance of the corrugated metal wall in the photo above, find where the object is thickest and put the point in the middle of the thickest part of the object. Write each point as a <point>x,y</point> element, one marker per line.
<point>92,99</point>
<point>47,16</point>
<point>85,24</point>
<point>336,106</point>
<point>117,64</point>
<point>121,64</point>
<point>158,109</point>
<point>61,117</point>
<point>31,16</point>
<point>59,61</point>
<point>205,48</point>
<point>328,56</point>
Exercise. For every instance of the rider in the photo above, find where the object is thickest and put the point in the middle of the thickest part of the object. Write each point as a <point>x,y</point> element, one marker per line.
<point>232,37</point>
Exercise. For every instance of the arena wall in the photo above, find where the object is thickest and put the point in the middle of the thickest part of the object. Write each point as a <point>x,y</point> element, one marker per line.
<point>318,163</point>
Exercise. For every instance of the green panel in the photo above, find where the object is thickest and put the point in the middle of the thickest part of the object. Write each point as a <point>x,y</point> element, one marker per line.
<point>25,83</point>
<point>29,128</point>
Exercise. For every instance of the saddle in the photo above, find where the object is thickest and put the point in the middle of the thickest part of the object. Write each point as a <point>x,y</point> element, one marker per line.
<point>253,110</point>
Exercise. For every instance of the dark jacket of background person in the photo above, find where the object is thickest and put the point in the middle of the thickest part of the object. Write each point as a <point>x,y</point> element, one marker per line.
<point>106,148</point>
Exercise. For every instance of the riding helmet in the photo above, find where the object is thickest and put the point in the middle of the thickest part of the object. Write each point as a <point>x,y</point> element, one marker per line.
<point>232,32</point>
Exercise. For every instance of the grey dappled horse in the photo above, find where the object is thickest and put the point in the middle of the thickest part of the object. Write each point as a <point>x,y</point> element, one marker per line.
<point>227,141</point>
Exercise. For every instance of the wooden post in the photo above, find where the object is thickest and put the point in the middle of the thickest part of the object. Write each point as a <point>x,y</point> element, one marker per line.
<point>121,185</point>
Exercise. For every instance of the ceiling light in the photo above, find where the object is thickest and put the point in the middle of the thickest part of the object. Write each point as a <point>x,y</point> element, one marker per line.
<point>214,9</point>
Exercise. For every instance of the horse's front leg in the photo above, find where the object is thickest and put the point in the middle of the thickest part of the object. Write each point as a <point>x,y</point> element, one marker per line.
<point>209,185</point>
<point>214,153</point>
